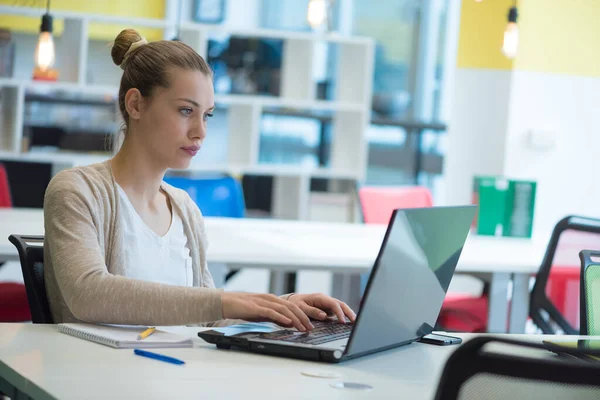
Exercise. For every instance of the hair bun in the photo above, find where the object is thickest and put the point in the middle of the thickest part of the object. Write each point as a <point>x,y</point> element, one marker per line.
<point>122,43</point>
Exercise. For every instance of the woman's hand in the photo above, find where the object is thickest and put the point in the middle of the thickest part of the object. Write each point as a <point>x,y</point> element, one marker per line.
<point>264,308</point>
<point>318,306</point>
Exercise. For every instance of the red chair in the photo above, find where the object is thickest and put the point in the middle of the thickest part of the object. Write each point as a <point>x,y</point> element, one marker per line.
<point>464,313</point>
<point>555,297</point>
<point>563,291</point>
<point>5,199</point>
<point>377,203</point>
<point>460,312</point>
<point>14,306</point>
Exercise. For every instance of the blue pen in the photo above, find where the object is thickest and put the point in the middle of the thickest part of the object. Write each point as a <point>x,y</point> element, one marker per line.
<point>159,357</point>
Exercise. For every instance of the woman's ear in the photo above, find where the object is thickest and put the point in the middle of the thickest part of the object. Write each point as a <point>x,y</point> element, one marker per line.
<point>133,103</point>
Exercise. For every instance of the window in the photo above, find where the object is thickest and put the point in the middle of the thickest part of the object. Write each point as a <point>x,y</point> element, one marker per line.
<point>407,135</point>
<point>393,24</point>
<point>408,82</point>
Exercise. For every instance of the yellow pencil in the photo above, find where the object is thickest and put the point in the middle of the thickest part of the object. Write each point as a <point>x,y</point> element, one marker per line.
<point>146,333</point>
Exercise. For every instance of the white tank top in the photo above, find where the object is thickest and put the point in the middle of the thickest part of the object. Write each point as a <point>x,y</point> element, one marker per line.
<point>150,257</point>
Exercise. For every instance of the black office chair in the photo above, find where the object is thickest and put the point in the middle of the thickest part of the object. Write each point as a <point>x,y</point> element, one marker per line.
<point>31,255</point>
<point>541,309</point>
<point>476,371</point>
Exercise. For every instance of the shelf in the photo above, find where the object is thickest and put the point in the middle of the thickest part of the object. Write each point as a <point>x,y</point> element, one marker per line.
<point>294,170</point>
<point>9,82</point>
<point>409,125</point>
<point>207,28</point>
<point>332,37</point>
<point>44,98</point>
<point>266,101</point>
<point>75,158</point>
<point>67,87</point>
<point>220,99</point>
<point>55,157</point>
<point>277,170</point>
<point>71,88</point>
<point>349,112</point>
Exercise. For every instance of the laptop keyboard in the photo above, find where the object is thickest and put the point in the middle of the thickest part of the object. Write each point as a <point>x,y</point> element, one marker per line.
<point>323,333</point>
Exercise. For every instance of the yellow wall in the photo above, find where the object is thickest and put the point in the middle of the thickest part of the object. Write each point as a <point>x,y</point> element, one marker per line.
<point>555,36</point>
<point>154,9</point>
<point>481,33</point>
<point>560,36</point>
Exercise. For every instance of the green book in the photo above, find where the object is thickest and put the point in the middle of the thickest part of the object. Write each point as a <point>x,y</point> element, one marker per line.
<point>506,206</point>
<point>490,194</point>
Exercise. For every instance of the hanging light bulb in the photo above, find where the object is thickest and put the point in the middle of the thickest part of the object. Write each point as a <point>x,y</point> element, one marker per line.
<point>317,13</point>
<point>511,34</point>
<point>44,51</point>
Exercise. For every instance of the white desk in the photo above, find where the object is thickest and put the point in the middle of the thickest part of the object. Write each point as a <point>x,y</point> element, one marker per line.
<point>346,249</point>
<point>44,364</point>
<point>339,248</point>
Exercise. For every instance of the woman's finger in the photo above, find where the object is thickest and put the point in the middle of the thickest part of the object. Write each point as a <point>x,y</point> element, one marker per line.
<point>269,314</point>
<point>313,312</point>
<point>284,310</point>
<point>302,316</point>
<point>339,313</point>
<point>332,305</point>
<point>348,311</point>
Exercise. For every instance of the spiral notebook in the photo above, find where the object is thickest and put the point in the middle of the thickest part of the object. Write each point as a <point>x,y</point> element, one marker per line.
<point>124,337</point>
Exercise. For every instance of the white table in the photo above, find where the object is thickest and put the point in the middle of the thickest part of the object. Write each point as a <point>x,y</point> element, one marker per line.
<point>344,249</point>
<point>38,362</point>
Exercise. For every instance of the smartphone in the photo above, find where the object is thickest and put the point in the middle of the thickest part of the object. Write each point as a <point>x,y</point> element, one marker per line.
<point>440,340</point>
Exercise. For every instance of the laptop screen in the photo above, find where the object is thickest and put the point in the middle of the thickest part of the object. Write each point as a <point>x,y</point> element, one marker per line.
<point>411,275</point>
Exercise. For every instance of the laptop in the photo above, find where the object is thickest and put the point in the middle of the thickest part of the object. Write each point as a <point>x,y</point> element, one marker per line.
<point>401,302</point>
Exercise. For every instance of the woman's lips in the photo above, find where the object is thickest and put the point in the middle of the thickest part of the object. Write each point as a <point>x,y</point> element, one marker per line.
<point>191,150</point>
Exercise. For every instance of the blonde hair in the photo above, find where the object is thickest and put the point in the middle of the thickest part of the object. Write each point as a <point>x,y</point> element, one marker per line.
<point>145,66</point>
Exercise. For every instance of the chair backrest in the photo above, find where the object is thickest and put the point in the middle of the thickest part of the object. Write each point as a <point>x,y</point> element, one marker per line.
<point>378,202</point>
<point>215,196</point>
<point>501,369</point>
<point>5,198</point>
<point>590,292</point>
<point>570,235</point>
<point>31,255</point>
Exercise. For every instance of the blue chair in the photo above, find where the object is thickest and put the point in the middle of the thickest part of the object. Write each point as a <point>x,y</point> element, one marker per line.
<point>220,196</point>
<point>215,196</point>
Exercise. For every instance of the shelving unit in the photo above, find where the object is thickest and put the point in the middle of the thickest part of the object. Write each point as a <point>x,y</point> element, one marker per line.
<point>349,109</point>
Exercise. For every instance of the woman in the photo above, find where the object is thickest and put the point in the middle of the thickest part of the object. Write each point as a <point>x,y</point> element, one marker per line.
<point>122,246</point>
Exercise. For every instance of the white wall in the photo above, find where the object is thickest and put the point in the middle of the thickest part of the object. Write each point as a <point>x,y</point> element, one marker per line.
<point>566,174</point>
<point>477,130</point>
<point>493,113</point>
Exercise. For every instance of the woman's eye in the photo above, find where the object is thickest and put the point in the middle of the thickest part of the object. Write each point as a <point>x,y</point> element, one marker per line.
<point>207,116</point>
<point>186,111</point>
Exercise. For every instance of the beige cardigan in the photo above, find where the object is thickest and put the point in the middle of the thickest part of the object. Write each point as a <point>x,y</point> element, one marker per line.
<point>86,277</point>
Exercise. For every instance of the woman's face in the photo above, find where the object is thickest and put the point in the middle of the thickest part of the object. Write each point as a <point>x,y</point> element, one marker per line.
<point>172,123</point>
